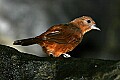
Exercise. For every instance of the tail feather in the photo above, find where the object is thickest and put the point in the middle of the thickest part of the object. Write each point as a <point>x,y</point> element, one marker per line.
<point>26,42</point>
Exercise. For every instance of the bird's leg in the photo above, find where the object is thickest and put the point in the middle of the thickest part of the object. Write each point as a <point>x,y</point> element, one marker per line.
<point>51,55</point>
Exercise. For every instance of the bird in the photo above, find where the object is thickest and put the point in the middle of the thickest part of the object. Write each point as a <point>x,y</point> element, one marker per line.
<point>61,38</point>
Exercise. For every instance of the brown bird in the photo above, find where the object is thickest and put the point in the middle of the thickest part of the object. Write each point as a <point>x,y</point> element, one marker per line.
<point>62,38</point>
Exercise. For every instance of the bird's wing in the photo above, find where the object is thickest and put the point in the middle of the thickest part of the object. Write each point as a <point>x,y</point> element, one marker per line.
<point>62,34</point>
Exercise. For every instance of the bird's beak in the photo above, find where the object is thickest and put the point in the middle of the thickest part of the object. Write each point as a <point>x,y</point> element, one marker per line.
<point>94,27</point>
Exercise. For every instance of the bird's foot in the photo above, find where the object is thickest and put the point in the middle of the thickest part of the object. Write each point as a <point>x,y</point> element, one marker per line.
<point>66,55</point>
<point>62,55</point>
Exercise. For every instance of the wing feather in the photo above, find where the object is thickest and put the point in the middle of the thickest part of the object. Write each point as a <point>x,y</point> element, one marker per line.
<point>62,34</point>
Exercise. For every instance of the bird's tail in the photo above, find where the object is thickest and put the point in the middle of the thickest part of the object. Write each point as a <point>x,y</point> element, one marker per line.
<point>26,42</point>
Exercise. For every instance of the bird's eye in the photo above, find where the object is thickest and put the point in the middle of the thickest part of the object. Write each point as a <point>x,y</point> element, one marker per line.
<point>88,21</point>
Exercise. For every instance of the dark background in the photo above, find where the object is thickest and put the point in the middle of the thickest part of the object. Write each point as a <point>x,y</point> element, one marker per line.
<point>28,18</point>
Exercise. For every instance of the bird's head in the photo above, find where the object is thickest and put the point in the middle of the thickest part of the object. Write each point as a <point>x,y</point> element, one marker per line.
<point>85,23</point>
